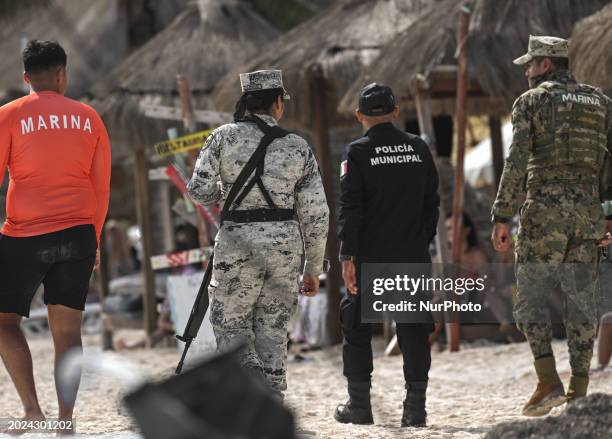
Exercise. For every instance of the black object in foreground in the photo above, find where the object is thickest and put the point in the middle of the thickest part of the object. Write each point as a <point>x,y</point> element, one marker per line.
<point>196,317</point>
<point>588,417</point>
<point>218,399</point>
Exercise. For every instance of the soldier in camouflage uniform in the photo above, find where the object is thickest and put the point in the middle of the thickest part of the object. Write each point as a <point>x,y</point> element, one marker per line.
<point>562,134</point>
<point>257,264</point>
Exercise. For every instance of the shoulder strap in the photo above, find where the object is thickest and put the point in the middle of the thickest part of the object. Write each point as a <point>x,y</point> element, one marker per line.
<point>255,161</point>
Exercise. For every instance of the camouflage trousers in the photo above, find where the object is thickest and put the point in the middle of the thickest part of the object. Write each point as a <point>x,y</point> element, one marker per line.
<point>556,251</point>
<point>253,293</point>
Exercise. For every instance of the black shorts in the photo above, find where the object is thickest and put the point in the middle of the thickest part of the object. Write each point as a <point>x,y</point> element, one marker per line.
<point>62,261</point>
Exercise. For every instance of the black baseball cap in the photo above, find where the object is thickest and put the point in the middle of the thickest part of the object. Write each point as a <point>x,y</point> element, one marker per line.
<point>376,100</point>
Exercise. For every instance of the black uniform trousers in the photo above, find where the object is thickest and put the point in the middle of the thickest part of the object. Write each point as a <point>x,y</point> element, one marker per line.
<point>413,340</point>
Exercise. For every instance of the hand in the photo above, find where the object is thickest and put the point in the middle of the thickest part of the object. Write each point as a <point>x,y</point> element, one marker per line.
<point>310,285</point>
<point>606,240</point>
<point>501,239</point>
<point>97,262</point>
<point>348,274</point>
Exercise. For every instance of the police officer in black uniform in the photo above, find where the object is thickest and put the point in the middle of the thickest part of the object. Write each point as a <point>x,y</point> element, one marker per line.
<point>388,214</point>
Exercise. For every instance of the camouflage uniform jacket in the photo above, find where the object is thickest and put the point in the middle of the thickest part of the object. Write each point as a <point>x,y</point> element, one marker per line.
<point>531,113</point>
<point>291,176</point>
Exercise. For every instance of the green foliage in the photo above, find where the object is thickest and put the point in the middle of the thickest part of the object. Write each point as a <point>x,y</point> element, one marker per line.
<point>283,14</point>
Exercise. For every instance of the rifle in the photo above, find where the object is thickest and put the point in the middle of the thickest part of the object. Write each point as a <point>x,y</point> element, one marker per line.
<point>198,312</point>
<point>201,303</point>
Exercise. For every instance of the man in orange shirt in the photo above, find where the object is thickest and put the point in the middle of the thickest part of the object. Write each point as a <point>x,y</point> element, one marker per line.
<point>57,153</point>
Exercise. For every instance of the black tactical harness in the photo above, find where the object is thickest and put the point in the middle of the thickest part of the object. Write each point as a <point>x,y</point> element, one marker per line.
<point>235,196</point>
<point>239,190</point>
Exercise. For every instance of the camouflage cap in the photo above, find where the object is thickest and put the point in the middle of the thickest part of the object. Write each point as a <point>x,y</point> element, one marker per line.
<point>544,46</point>
<point>263,80</point>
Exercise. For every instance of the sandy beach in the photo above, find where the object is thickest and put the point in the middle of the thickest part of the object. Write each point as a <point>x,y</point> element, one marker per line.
<point>470,391</point>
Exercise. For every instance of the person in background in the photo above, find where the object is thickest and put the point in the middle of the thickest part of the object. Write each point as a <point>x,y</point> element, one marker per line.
<point>494,322</point>
<point>604,342</point>
<point>119,259</point>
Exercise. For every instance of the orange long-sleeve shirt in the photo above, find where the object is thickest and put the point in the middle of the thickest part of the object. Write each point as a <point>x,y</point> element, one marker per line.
<point>57,152</point>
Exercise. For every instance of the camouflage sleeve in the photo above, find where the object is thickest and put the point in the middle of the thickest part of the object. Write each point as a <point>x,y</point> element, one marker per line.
<point>609,111</point>
<point>515,167</point>
<point>607,170</point>
<point>313,215</point>
<point>205,184</point>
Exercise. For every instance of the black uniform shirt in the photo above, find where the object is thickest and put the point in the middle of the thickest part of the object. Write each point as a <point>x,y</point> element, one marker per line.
<point>389,200</point>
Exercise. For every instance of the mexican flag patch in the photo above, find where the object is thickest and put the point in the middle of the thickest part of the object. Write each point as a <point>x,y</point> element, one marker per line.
<point>343,168</point>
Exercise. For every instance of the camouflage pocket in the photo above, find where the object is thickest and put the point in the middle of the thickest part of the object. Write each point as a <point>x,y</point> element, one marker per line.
<point>590,221</point>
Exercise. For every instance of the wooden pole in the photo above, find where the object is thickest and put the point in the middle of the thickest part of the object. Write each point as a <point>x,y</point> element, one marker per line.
<point>184,90</point>
<point>144,221</point>
<point>322,148</point>
<point>103,292</point>
<point>189,124</point>
<point>462,77</point>
<point>425,120</point>
<point>497,149</point>
<point>165,212</point>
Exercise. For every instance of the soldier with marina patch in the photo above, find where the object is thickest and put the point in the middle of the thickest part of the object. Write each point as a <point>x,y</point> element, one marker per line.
<point>562,137</point>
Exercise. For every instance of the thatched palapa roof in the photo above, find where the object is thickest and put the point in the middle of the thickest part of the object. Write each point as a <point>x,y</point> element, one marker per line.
<point>93,33</point>
<point>591,50</point>
<point>340,41</point>
<point>498,33</point>
<point>203,43</point>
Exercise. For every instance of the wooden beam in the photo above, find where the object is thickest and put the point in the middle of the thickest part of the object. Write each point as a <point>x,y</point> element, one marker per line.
<point>448,87</point>
<point>189,124</point>
<point>425,120</point>
<point>143,212</point>
<point>475,106</point>
<point>172,113</point>
<point>426,127</point>
<point>184,90</point>
<point>322,149</point>
<point>497,149</point>
<point>462,82</point>
<point>424,117</point>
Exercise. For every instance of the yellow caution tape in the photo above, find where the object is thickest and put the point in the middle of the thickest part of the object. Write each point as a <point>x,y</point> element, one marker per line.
<point>182,144</point>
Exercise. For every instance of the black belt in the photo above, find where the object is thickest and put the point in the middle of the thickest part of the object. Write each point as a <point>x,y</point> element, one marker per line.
<point>258,215</point>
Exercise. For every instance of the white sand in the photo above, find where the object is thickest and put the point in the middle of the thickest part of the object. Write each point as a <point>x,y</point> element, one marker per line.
<point>469,391</point>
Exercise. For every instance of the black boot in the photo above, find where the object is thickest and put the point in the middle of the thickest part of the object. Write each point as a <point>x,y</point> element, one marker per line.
<point>357,409</point>
<point>414,405</point>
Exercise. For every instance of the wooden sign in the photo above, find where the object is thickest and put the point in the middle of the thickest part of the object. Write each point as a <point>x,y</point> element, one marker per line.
<point>172,113</point>
<point>181,258</point>
<point>158,174</point>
